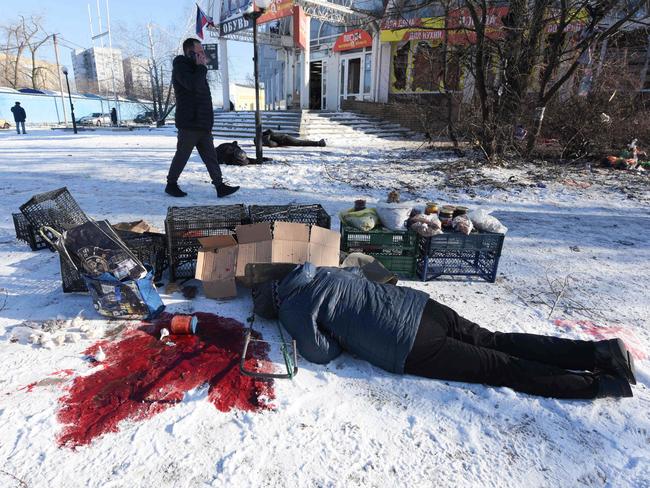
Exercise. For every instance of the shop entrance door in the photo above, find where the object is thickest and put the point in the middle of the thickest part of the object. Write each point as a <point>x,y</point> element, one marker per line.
<point>350,78</point>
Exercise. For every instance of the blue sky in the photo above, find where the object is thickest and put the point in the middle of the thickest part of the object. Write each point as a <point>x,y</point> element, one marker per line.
<point>69,18</point>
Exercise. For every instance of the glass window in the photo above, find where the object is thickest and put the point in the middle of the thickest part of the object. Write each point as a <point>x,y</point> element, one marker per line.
<point>342,85</point>
<point>367,73</point>
<point>354,75</point>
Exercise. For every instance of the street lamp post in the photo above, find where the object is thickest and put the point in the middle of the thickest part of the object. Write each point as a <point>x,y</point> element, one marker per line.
<point>67,82</point>
<point>261,5</point>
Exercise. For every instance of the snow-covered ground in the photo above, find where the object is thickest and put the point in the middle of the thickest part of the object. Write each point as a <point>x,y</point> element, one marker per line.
<point>347,423</point>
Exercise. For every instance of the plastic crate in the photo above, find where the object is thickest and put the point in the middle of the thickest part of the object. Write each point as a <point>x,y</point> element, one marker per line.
<point>71,279</point>
<point>304,214</point>
<point>148,247</point>
<point>456,254</point>
<point>25,232</point>
<point>396,250</point>
<point>184,225</point>
<point>56,209</point>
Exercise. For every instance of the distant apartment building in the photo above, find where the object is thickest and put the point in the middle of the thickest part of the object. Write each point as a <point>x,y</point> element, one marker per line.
<point>94,69</point>
<point>137,80</point>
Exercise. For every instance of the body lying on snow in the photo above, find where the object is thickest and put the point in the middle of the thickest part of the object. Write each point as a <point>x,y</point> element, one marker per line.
<point>232,154</point>
<point>271,138</point>
<point>402,330</point>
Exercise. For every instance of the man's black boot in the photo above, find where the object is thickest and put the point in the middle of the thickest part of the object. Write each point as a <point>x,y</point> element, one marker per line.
<point>322,143</point>
<point>613,357</point>
<point>224,190</point>
<point>612,386</point>
<point>174,190</point>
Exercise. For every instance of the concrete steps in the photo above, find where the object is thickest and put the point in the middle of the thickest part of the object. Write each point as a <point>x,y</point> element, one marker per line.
<point>341,126</point>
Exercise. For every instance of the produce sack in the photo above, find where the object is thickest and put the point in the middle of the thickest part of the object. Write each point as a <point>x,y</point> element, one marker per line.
<point>485,222</point>
<point>365,220</point>
<point>128,299</point>
<point>394,216</point>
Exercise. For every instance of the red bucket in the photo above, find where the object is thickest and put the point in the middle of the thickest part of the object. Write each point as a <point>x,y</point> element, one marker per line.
<point>184,324</point>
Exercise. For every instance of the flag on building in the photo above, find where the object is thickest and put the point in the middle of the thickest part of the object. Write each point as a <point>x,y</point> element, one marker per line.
<point>201,21</point>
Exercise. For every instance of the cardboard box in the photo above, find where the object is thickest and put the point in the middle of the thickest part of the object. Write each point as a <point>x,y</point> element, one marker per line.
<point>287,243</point>
<point>216,265</point>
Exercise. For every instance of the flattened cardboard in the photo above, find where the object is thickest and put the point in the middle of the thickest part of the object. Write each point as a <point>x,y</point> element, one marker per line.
<point>324,247</point>
<point>253,233</point>
<point>220,289</point>
<point>290,243</point>
<point>216,266</point>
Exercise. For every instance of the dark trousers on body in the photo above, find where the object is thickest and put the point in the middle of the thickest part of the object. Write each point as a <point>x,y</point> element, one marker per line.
<point>280,140</point>
<point>188,139</point>
<point>19,125</point>
<point>450,347</point>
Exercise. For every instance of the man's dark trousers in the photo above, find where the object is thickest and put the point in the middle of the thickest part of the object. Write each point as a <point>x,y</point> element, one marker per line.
<point>450,347</point>
<point>188,139</point>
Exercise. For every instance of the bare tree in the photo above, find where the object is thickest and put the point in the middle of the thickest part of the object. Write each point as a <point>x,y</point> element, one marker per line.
<point>34,37</point>
<point>157,48</point>
<point>517,52</point>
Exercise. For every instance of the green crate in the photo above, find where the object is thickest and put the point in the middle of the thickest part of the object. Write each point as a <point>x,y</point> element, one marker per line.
<point>396,250</point>
<point>400,265</point>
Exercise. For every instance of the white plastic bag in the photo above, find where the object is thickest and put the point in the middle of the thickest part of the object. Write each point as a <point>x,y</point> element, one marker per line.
<point>485,222</point>
<point>462,224</point>
<point>393,216</point>
<point>365,220</point>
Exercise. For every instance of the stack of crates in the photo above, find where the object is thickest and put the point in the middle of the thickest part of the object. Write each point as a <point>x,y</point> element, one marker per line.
<point>396,250</point>
<point>56,209</point>
<point>454,254</point>
<point>185,225</point>
<point>313,214</point>
<point>26,232</point>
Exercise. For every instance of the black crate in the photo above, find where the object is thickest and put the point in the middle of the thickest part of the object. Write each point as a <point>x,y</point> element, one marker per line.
<point>313,214</point>
<point>184,225</point>
<point>149,247</point>
<point>456,254</point>
<point>396,250</point>
<point>71,279</point>
<point>25,232</point>
<point>56,209</point>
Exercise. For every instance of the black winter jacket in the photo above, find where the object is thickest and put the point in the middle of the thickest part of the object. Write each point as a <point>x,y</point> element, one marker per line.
<point>19,113</point>
<point>327,310</point>
<point>193,100</point>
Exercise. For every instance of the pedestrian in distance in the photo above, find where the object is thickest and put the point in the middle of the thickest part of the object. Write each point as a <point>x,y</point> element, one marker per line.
<point>403,331</point>
<point>20,116</point>
<point>194,119</point>
<point>114,117</point>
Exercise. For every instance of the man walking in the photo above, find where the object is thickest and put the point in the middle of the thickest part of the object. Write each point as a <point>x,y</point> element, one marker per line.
<point>194,119</point>
<point>19,117</point>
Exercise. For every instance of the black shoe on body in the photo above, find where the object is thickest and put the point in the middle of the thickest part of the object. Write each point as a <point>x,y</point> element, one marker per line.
<point>224,190</point>
<point>612,386</point>
<point>613,357</point>
<point>322,143</point>
<point>174,190</point>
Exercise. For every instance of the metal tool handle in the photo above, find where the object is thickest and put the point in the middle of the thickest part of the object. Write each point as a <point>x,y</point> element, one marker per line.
<point>291,372</point>
<point>55,239</point>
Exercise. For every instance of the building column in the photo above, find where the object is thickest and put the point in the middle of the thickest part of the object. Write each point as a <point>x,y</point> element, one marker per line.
<point>375,60</point>
<point>304,89</point>
<point>288,78</point>
<point>225,80</point>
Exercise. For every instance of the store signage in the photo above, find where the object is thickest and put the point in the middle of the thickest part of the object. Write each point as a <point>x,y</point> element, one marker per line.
<point>354,39</point>
<point>277,10</point>
<point>300,28</point>
<point>212,55</point>
<point>232,18</point>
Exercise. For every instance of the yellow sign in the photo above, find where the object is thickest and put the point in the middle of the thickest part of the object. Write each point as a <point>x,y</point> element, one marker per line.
<point>429,28</point>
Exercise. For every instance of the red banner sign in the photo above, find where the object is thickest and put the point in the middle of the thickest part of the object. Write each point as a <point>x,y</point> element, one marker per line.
<point>277,10</point>
<point>354,39</point>
<point>300,27</point>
